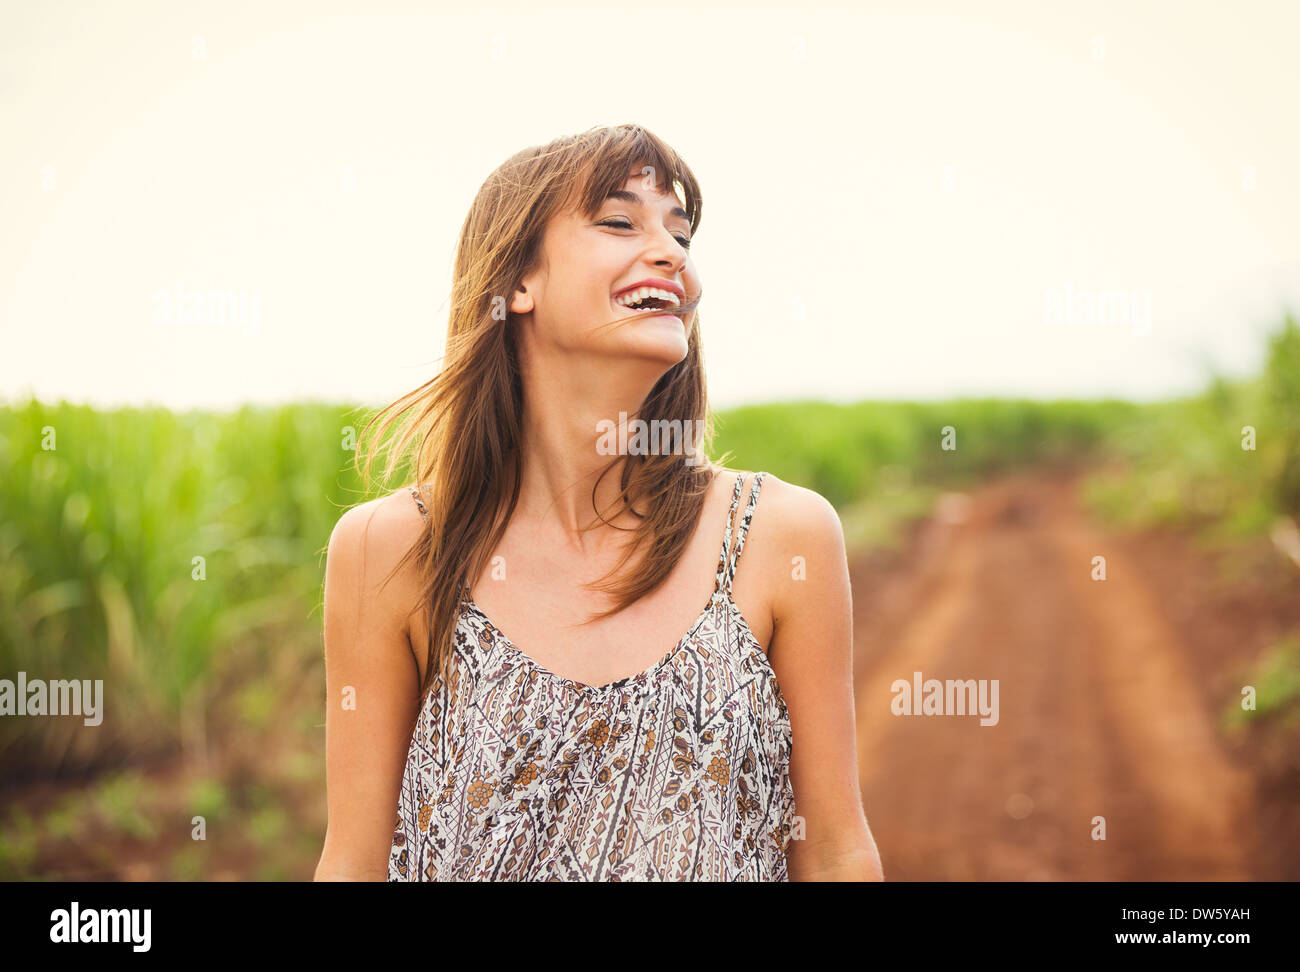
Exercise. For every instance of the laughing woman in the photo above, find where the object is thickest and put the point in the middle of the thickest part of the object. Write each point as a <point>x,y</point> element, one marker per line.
<point>500,706</point>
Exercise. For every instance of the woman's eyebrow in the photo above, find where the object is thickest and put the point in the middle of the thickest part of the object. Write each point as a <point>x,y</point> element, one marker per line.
<point>627,196</point>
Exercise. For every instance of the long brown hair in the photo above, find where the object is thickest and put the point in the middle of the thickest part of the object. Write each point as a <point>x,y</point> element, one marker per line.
<point>463,436</point>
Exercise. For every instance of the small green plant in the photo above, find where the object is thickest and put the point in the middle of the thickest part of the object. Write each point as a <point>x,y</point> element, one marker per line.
<point>19,845</point>
<point>190,862</point>
<point>124,803</point>
<point>208,798</point>
<point>1276,680</point>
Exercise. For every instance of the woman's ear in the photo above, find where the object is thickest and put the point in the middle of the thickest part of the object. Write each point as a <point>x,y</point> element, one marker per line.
<point>521,302</point>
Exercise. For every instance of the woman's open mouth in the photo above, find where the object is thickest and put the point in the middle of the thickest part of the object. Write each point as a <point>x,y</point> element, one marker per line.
<point>651,302</point>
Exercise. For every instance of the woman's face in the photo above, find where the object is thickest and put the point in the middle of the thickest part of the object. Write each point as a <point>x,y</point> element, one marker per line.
<point>637,234</point>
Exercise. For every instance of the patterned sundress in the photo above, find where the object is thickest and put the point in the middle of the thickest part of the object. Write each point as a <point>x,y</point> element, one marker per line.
<point>680,773</point>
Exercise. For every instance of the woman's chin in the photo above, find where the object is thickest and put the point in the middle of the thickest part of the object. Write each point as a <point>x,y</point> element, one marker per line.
<point>661,337</point>
<point>669,347</point>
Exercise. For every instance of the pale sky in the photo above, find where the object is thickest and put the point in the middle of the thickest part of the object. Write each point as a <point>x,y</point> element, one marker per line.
<point>900,201</point>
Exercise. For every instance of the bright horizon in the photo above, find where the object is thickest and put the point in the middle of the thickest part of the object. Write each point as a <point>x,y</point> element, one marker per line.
<point>897,204</point>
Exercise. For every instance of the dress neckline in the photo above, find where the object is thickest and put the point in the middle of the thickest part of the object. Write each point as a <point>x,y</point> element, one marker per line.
<point>721,593</point>
<point>626,680</point>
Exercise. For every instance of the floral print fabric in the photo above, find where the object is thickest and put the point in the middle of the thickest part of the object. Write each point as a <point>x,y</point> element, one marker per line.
<point>680,773</point>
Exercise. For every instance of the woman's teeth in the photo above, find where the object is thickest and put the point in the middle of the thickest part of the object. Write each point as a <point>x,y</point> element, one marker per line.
<point>667,299</point>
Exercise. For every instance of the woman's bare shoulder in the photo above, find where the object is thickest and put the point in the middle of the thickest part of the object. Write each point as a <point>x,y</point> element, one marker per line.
<point>396,516</point>
<point>795,507</point>
<point>786,507</point>
<point>371,540</point>
<point>789,520</point>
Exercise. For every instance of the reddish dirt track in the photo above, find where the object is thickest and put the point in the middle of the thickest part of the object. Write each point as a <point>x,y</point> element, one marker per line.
<point>1101,713</point>
<point>1106,695</point>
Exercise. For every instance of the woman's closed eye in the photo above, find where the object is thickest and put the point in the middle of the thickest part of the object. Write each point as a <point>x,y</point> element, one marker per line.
<point>620,223</point>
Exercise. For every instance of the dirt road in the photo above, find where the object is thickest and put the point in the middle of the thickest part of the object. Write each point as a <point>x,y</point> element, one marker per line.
<point>1104,695</point>
<point>1100,712</point>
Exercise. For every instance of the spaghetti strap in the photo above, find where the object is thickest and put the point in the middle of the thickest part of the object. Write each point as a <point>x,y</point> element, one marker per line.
<point>453,824</point>
<point>419,502</point>
<point>730,557</point>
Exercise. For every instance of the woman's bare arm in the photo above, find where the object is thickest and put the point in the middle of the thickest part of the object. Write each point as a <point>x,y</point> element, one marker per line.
<point>812,655</point>
<point>371,683</point>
